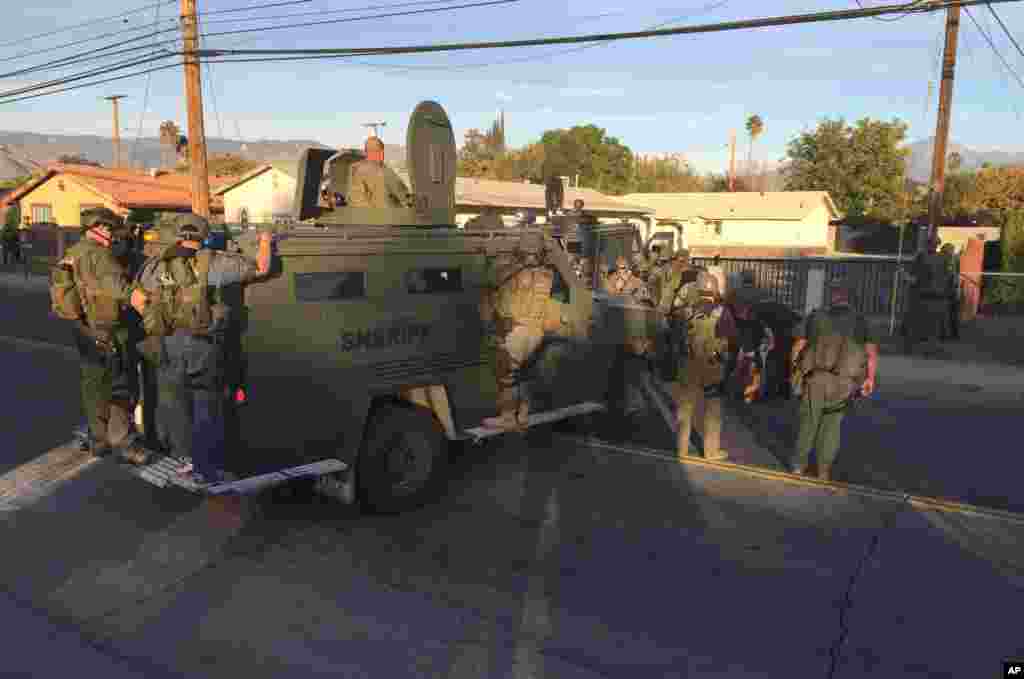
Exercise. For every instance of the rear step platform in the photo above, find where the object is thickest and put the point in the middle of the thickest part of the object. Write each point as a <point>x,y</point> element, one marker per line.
<point>479,433</point>
<point>164,472</point>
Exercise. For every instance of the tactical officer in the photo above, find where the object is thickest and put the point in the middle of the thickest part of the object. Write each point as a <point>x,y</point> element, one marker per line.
<point>621,281</point>
<point>372,183</point>
<point>834,361</point>
<point>91,287</point>
<point>700,375</point>
<point>928,307</point>
<point>192,320</point>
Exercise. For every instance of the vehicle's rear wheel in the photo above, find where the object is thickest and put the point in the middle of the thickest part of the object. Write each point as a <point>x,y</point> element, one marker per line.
<point>404,459</point>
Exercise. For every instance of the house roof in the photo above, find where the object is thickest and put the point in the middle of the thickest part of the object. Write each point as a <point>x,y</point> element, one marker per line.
<point>288,167</point>
<point>470,193</point>
<point>741,205</point>
<point>126,188</point>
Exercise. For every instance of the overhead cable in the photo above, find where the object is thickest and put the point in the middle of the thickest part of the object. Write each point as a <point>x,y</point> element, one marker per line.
<point>995,49</point>
<point>91,55</point>
<point>817,17</point>
<point>104,36</point>
<point>90,22</point>
<point>328,12</point>
<point>88,74</point>
<point>1005,29</point>
<point>91,84</point>
<point>145,102</point>
<point>307,24</point>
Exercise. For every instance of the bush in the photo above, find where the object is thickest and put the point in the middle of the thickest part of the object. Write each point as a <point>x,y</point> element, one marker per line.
<point>1009,290</point>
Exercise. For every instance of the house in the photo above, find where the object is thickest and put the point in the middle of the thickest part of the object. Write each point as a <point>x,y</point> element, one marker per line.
<point>511,199</point>
<point>58,196</point>
<point>745,223</point>
<point>959,231</point>
<point>262,195</point>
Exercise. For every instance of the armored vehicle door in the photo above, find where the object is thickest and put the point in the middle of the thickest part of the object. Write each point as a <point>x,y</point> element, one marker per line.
<point>431,157</point>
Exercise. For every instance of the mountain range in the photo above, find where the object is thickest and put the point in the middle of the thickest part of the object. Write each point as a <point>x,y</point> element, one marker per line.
<point>920,163</point>
<point>23,152</point>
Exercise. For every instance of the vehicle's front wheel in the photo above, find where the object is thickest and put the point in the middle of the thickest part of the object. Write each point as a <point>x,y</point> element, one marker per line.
<point>404,459</point>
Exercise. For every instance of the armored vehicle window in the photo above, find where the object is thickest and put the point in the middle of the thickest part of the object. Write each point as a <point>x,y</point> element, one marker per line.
<point>328,285</point>
<point>425,281</point>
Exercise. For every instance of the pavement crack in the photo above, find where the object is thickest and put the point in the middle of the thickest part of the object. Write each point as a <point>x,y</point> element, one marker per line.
<point>835,652</point>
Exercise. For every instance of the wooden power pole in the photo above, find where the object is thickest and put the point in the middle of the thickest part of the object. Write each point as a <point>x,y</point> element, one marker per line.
<point>113,99</point>
<point>194,101</point>
<point>938,182</point>
<point>732,161</point>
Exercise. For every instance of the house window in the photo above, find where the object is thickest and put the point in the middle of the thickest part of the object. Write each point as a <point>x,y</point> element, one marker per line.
<point>330,285</point>
<point>427,281</point>
<point>42,214</point>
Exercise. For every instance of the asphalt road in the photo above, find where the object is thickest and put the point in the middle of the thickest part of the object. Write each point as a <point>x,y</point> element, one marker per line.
<point>543,559</point>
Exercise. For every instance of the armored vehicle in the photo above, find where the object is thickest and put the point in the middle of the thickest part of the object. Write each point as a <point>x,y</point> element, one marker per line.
<point>377,337</point>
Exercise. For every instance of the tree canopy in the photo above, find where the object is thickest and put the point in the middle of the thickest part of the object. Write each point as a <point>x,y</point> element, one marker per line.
<point>862,166</point>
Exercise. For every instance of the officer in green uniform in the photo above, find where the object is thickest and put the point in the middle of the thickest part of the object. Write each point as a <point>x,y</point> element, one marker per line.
<point>834,360</point>
<point>192,321</point>
<point>928,308</point>
<point>952,261</point>
<point>92,288</point>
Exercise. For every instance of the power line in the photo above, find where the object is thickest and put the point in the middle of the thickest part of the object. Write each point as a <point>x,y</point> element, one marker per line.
<point>263,29</point>
<point>87,23</point>
<point>94,38</point>
<point>1006,30</point>
<point>91,55</point>
<point>817,17</point>
<point>213,94</point>
<point>82,76</point>
<point>145,102</point>
<point>991,44</point>
<point>249,8</point>
<point>889,19</point>
<point>328,12</point>
<point>93,83</point>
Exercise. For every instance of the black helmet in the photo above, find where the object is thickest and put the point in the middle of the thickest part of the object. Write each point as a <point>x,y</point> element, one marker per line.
<point>101,216</point>
<point>192,227</point>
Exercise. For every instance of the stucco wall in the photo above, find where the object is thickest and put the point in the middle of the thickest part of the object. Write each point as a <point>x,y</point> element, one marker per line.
<point>66,205</point>
<point>810,232</point>
<point>269,194</point>
<point>959,235</point>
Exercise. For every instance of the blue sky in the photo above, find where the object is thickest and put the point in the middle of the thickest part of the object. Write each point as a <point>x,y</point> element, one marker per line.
<point>679,94</point>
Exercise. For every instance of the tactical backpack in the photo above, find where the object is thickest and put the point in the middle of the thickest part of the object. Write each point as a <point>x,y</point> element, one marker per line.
<point>184,303</point>
<point>837,363</point>
<point>75,293</point>
<point>65,300</point>
<point>705,348</point>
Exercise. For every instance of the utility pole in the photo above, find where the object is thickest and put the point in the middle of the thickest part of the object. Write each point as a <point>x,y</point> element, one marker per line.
<point>194,101</point>
<point>732,161</point>
<point>117,129</point>
<point>938,182</point>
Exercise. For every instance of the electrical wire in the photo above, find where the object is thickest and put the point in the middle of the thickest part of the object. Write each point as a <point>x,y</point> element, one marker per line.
<point>889,20</point>
<point>307,24</point>
<point>82,76</point>
<point>213,97</point>
<point>817,17</point>
<point>87,23</point>
<point>992,44</point>
<point>249,8</point>
<point>1005,29</point>
<point>94,38</point>
<point>145,102</point>
<point>328,12</point>
<point>93,83</point>
<point>91,55</point>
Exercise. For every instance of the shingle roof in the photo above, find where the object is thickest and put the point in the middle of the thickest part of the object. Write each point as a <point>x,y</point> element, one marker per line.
<point>782,205</point>
<point>128,188</point>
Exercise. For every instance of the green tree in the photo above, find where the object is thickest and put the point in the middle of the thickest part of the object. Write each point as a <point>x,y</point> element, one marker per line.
<point>602,162</point>
<point>755,127</point>
<point>482,153</point>
<point>1010,289</point>
<point>861,166</point>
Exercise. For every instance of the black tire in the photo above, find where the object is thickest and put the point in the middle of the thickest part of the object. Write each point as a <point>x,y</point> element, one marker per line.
<point>389,486</point>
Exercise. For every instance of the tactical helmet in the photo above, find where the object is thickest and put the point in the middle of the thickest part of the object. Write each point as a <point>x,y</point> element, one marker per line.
<point>707,285</point>
<point>102,216</point>
<point>620,262</point>
<point>948,249</point>
<point>192,227</point>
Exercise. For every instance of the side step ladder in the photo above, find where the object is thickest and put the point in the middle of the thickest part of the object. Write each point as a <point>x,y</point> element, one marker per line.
<point>480,433</point>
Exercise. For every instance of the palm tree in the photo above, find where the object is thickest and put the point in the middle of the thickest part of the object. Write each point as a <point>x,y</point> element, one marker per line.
<point>755,126</point>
